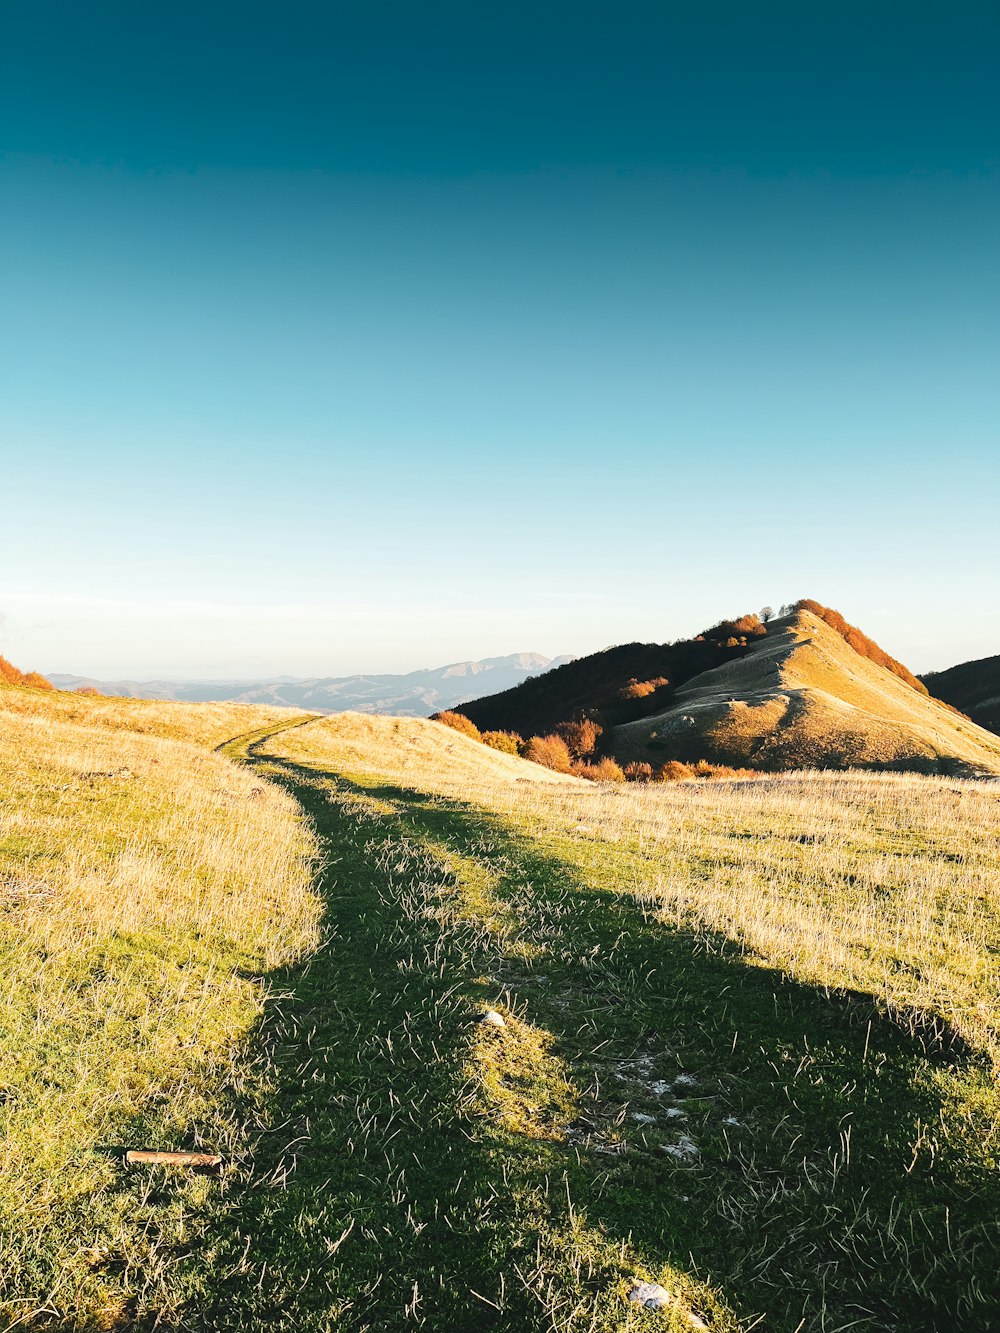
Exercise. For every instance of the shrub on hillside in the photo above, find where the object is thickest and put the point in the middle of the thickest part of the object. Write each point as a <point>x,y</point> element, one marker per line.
<point>642,689</point>
<point>637,772</point>
<point>605,770</point>
<point>10,675</point>
<point>675,771</point>
<point>580,737</point>
<point>88,689</point>
<point>37,681</point>
<point>458,722</point>
<point>507,742</point>
<point>550,751</point>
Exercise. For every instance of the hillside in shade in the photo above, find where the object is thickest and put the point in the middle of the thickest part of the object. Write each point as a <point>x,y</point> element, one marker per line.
<point>974,687</point>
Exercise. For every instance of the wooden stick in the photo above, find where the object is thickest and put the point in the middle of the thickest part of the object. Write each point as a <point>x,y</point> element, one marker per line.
<point>136,1156</point>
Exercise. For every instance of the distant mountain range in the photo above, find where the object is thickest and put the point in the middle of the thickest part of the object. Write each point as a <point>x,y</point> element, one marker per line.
<point>413,694</point>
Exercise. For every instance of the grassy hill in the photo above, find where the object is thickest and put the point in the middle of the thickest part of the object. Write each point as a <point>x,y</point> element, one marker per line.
<point>803,697</point>
<point>974,687</point>
<point>808,690</point>
<point>748,1043</point>
<point>617,685</point>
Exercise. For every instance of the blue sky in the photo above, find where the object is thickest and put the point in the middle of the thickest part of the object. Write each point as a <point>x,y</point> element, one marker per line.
<point>367,336</point>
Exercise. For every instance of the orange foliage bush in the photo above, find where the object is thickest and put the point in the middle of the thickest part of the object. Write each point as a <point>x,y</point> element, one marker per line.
<point>89,689</point>
<point>550,751</point>
<point>605,770</point>
<point>508,742</point>
<point>675,771</point>
<point>458,722</point>
<point>636,772</point>
<point>642,689</point>
<point>580,737</point>
<point>10,675</point>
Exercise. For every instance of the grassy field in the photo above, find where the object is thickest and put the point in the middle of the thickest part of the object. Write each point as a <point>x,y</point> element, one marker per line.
<point>147,886</point>
<point>747,1052</point>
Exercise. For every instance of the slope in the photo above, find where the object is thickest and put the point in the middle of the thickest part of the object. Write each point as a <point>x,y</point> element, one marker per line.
<point>974,687</point>
<point>412,750</point>
<point>803,698</point>
<point>201,724</point>
<point>620,684</point>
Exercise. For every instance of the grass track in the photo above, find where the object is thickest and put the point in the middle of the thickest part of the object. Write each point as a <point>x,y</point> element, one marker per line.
<point>413,1169</point>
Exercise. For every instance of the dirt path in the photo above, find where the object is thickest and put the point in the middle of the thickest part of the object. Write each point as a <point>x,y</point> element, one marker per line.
<point>653,1107</point>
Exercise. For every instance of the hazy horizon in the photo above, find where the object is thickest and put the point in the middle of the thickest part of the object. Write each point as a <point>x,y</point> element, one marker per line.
<point>366,338</point>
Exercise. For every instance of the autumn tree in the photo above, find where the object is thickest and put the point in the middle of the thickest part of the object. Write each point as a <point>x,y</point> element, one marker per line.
<point>550,751</point>
<point>507,742</point>
<point>580,737</point>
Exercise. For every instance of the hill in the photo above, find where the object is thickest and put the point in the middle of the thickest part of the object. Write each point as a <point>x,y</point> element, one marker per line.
<point>411,694</point>
<point>613,686</point>
<point>414,750</point>
<point>807,690</point>
<point>803,697</point>
<point>974,687</point>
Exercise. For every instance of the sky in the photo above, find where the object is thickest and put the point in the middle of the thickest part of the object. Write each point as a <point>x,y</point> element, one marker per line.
<point>368,336</point>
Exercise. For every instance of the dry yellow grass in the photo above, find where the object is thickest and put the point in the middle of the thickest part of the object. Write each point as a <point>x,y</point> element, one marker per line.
<point>410,748</point>
<point>207,724</point>
<point>147,886</point>
<point>803,698</point>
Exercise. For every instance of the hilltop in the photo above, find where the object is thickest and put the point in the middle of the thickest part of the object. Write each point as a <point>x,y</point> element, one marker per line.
<point>974,687</point>
<point>804,698</point>
<point>807,690</point>
<point>410,694</point>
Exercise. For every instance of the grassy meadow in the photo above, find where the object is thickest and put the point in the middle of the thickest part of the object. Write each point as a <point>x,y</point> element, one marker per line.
<point>747,1053</point>
<point>147,887</point>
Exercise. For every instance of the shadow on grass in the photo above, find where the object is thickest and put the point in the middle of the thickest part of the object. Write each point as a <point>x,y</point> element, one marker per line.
<point>826,1192</point>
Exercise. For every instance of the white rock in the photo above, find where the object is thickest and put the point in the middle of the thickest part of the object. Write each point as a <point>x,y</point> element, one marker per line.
<point>685,1149</point>
<point>675,1113</point>
<point>732,1122</point>
<point>661,1087</point>
<point>493,1019</point>
<point>685,1081</point>
<point>641,1119</point>
<point>650,1295</point>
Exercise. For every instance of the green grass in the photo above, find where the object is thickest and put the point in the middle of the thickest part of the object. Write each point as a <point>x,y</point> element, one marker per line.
<point>146,887</point>
<point>393,1163</point>
<point>436,1173</point>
